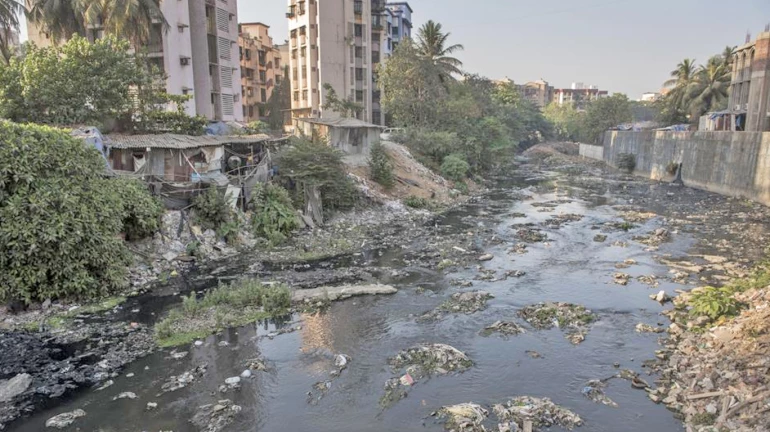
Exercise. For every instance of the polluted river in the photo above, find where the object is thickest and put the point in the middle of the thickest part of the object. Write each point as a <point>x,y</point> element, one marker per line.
<point>573,233</point>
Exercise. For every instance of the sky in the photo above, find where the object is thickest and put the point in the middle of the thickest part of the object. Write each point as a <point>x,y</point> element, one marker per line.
<point>626,46</point>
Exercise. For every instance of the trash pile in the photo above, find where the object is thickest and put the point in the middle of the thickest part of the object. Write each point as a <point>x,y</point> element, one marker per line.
<point>654,238</point>
<point>215,417</point>
<point>505,328</point>
<point>572,319</point>
<point>540,411</point>
<point>646,328</point>
<point>621,278</point>
<point>594,390</point>
<point>418,362</point>
<point>530,235</point>
<point>520,413</point>
<point>465,302</point>
<point>464,417</point>
<point>321,388</point>
<point>174,383</point>
<point>720,379</point>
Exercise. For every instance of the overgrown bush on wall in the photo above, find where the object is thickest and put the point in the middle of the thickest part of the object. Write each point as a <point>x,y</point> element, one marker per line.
<point>626,161</point>
<point>61,218</point>
<point>319,165</point>
<point>380,165</point>
<point>141,211</point>
<point>273,216</point>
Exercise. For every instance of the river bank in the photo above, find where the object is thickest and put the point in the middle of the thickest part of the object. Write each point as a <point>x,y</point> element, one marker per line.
<point>556,229</point>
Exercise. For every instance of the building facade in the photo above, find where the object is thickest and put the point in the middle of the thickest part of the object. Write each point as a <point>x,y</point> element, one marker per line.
<point>198,54</point>
<point>340,43</point>
<point>749,100</point>
<point>538,92</point>
<point>578,97</point>
<point>261,69</point>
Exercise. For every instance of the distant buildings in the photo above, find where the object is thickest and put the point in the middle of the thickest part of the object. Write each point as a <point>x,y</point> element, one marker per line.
<point>538,92</point>
<point>340,43</point>
<point>261,68</point>
<point>577,96</point>
<point>650,97</point>
<point>198,54</point>
<point>749,100</point>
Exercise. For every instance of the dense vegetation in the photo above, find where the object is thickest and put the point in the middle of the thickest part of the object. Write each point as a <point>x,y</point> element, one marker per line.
<point>696,90</point>
<point>91,83</point>
<point>380,166</point>
<point>61,219</point>
<point>587,125</point>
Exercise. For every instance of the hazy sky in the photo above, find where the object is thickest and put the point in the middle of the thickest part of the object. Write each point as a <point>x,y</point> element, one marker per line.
<point>627,46</point>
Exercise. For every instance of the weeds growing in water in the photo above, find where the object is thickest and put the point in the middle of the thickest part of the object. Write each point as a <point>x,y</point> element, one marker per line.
<point>230,305</point>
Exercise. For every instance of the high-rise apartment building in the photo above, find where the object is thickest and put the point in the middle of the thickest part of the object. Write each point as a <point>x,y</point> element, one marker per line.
<point>340,43</point>
<point>198,53</point>
<point>750,85</point>
<point>261,68</point>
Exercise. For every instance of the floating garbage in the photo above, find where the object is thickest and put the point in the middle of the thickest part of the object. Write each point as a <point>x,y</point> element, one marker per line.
<point>571,318</point>
<point>466,302</point>
<point>464,417</point>
<point>180,381</point>
<point>594,390</point>
<point>418,362</point>
<point>646,328</point>
<point>506,328</point>
<point>541,411</point>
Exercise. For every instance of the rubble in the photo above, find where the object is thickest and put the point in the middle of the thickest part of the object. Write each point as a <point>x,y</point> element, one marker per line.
<point>541,411</point>
<point>600,238</point>
<point>646,328</point>
<point>572,319</point>
<point>506,328</point>
<point>518,248</point>
<point>650,280</point>
<point>529,235</point>
<point>465,417</point>
<point>621,278</point>
<point>215,417</point>
<point>654,238</point>
<point>465,302</point>
<point>63,420</point>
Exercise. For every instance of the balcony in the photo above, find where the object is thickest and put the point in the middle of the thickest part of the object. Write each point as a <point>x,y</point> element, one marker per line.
<point>292,12</point>
<point>378,6</point>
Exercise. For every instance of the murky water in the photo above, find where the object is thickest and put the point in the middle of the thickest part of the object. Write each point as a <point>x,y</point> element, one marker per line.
<point>569,267</point>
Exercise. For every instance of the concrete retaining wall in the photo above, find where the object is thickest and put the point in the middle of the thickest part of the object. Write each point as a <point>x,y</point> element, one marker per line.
<point>591,151</point>
<point>729,163</point>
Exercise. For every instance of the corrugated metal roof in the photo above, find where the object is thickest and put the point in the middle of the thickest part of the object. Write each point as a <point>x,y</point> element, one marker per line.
<point>340,122</point>
<point>174,141</point>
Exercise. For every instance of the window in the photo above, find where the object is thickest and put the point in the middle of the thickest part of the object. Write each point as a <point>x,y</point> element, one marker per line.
<point>277,63</point>
<point>304,95</point>
<point>302,51</point>
<point>294,74</point>
<point>358,7</point>
<point>359,52</point>
<point>359,30</point>
<point>251,110</point>
<point>250,91</point>
<point>296,96</point>
<point>359,95</point>
<point>223,20</point>
<point>247,54</point>
<point>263,94</point>
<point>359,74</point>
<point>301,8</point>
<point>304,73</point>
<point>294,54</point>
<point>262,76</point>
<point>294,34</point>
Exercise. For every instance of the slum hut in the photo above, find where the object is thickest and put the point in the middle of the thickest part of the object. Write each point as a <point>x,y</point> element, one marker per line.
<point>176,165</point>
<point>350,135</point>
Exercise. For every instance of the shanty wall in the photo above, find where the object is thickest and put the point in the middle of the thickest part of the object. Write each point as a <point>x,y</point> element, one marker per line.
<point>729,163</point>
<point>168,164</point>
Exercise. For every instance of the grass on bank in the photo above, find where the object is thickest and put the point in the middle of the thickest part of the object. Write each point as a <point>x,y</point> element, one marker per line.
<point>63,320</point>
<point>228,305</point>
<point>720,303</point>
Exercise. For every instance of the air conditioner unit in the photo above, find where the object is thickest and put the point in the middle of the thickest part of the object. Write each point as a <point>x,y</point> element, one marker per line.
<point>184,61</point>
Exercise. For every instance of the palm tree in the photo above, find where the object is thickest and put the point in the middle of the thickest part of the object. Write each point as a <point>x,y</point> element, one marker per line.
<point>727,56</point>
<point>9,23</point>
<point>708,90</point>
<point>431,43</point>
<point>681,79</point>
<point>130,19</point>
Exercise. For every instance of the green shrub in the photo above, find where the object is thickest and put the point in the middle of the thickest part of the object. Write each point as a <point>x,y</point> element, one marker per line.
<point>626,161</point>
<point>229,231</point>
<point>211,209</point>
<point>141,211</point>
<point>257,127</point>
<point>432,144</point>
<point>715,302</point>
<point>454,168</point>
<point>415,202</point>
<point>380,166</point>
<point>61,219</point>
<point>273,216</point>
<point>317,164</point>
